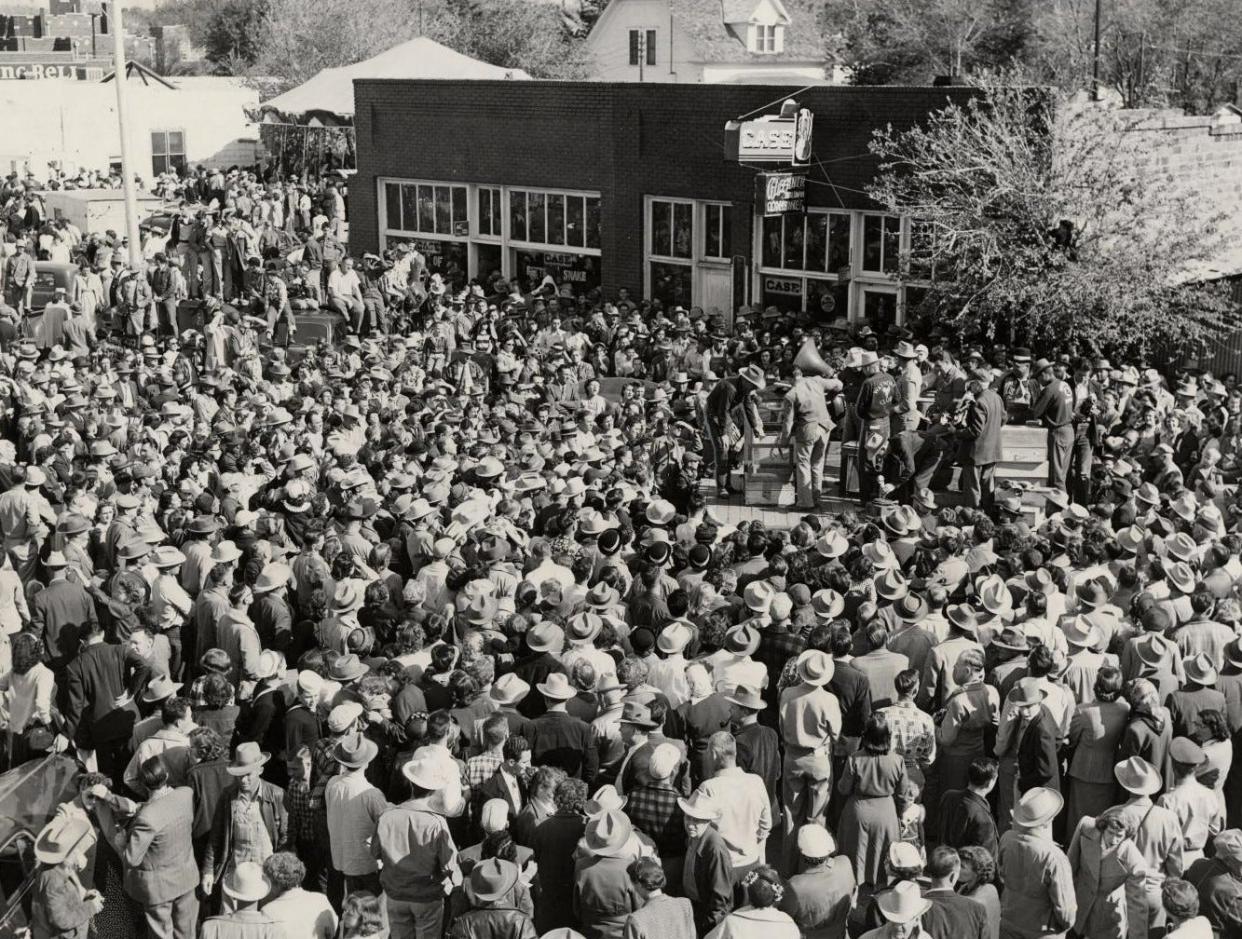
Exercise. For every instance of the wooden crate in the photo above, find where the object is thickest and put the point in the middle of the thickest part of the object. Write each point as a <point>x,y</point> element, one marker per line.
<point>848,484</point>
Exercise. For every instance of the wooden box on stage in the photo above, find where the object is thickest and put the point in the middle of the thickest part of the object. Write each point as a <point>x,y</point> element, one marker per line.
<point>848,485</point>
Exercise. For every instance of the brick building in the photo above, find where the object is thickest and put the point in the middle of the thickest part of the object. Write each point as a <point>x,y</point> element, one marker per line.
<point>626,185</point>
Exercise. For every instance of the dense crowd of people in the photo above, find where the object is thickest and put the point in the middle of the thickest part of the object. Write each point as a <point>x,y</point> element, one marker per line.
<point>422,633</point>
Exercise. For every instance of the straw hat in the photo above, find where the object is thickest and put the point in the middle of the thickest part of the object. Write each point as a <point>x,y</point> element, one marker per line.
<point>815,667</point>
<point>608,834</point>
<point>490,880</point>
<point>248,759</point>
<point>903,903</point>
<point>1037,807</point>
<point>1138,776</point>
<point>557,687</point>
<point>700,806</point>
<point>247,883</point>
<point>63,836</point>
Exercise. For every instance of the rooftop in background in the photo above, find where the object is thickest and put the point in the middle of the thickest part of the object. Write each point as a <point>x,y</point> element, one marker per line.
<point>331,91</point>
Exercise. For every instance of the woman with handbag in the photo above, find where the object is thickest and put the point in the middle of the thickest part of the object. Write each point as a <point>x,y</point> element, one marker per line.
<point>28,700</point>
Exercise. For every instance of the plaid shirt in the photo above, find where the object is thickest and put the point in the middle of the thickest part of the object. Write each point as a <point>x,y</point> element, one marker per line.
<point>481,768</point>
<point>301,817</point>
<point>654,811</point>
<point>778,646</point>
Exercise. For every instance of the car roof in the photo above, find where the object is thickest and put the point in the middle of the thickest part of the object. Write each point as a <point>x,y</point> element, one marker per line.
<point>30,793</point>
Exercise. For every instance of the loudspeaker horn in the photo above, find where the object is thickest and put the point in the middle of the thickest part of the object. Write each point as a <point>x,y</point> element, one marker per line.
<point>809,361</point>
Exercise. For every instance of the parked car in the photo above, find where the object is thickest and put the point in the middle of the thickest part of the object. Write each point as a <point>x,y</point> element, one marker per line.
<point>48,276</point>
<point>29,796</point>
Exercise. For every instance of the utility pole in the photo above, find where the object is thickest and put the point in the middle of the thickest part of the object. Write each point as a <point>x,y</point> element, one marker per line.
<point>127,167</point>
<point>1095,57</point>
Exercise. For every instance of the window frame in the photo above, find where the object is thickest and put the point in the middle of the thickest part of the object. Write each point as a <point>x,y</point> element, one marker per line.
<point>166,152</point>
<point>527,244</point>
<point>765,36</point>
<point>641,46</point>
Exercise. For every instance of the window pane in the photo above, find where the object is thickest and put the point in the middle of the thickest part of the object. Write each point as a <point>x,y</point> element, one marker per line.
<point>651,47</point>
<point>792,255</point>
<point>892,244</point>
<point>157,143</point>
<point>409,208</point>
<point>538,228</point>
<point>672,283</point>
<point>158,163</point>
<point>575,224</point>
<point>879,310</point>
<point>683,230</point>
<point>444,210</point>
<point>634,47</point>
<point>772,241</point>
<point>426,209</point>
<point>873,245</point>
<point>661,229</point>
<point>816,242</point>
<point>838,242</point>
<point>177,162</point>
<point>726,231</point>
<point>711,243</point>
<point>517,215</point>
<point>176,141</point>
<point>556,219</point>
<point>485,211</point>
<point>592,222</point>
<point>461,214</point>
<point>392,204</point>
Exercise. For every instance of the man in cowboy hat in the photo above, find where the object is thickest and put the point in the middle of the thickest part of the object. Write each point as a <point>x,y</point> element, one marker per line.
<point>980,434</point>
<point>1046,907</point>
<point>758,746</point>
<point>60,612</point>
<point>876,396</point>
<point>556,737</point>
<point>1016,387</point>
<point>1157,831</point>
<point>806,426</point>
<point>353,807</point>
<point>1055,408</point>
<point>707,877</point>
<point>250,804</point>
<point>419,858</point>
<point>244,889</point>
<point>730,408</point>
<point>60,905</point>
<point>810,724</point>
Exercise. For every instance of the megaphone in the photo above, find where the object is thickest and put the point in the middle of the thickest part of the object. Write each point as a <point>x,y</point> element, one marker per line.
<point>808,360</point>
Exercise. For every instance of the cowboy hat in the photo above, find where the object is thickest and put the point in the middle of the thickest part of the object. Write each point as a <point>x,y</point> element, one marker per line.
<point>748,698</point>
<point>754,375</point>
<point>827,604</point>
<point>225,553</point>
<point>881,555</point>
<point>608,835</point>
<point>660,512</point>
<point>159,689</point>
<point>902,903</point>
<point>1037,807</point>
<point>963,617</point>
<point>759,596</point>
<point>1199,669</point>
<point>606,799</point>
<point>1012,639</point>
<point>638,715</point>
<point>272,577</point>
<point>891,585</point>
<point>700,806</point>
<point>62,837</point>
<point>545,637</point>
<point>742,640</point>
<point>247,883</point>
<point>347,668</point>
<point>557,687</point>
<point>508,690</point>
<point>912,608</point>
<point>490,880</point>
<point>815,667</point>
<point>1138,776</point>
<point>167,556</point>
<point>355,751</point>
<point>1181,576</point>
<point>831,545</point>
<point>1028,691</point>
<point>1080,631</point>
<point>583,627</point>
<point>247,759</point>
<point>674,638</point>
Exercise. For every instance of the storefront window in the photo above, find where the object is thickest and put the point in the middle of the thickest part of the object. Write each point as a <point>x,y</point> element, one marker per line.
<point>517,215</point>
<point>717,237</point>
<point>449,259</point>
<point>672,229</point>
<point>880,309</point>
<point>575,224</point>
<point>580,271</point>
<point>683,230</point>
<point>784,293</point>
<point>818,242</point>
<point>838,242</point>
<point>536,219</point>
<point>392,206</point>
<point>881,243</point>
<point>592,222</point>
<point>673,284</point>
<point>489,212</point>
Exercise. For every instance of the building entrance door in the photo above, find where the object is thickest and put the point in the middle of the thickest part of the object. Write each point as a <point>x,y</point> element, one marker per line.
<point>716,289</point>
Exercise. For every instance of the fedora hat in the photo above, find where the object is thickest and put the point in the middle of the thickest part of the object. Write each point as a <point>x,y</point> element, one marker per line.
<point>608,835</point>
<point>963,617</point>
<point>557,687</point>
<point>159,689</point>
<point>1037,807</point>
<point>247,759</point>
<point>1138,776</point>
<point>167,556</point>
<point>481,610</point>
<point>1181,576</point>
<point>73,525</point>
<point>674,638</point>
<point>827,604</point>
<point>902,903</point>
<point>62,837</point>
<point>545,637</point>
<point>742,640</point>
<point>606,799</point>
<point>1199,669</point>
<point>1181,547</point>
<point>638,714</point>
<point>509,689</point>
<point>426,772</point>
<point>583,627</point>
<point>1152,649</point>
<point>490,880</point>
<point>247,883</point>
<point>754,375</point>
<point>202,525</point>
<point>347,668</point>
<point>225,553</point>
<point>1028,691</point>
<point>832,545</point>
<point>815,667</point>
<point>700,806</point>
<point>347,598</point>
<point>880,555</point>
<point>355,751</point>
<point>602,597</point>
<point>746,697</point>
<point>759,596</point>
<point>1080,631</point>
<point>55,560</point>
<point>891,585</point>
<point>1012,639</point>
<point>912,608</point>
<point>272,577</point>
<point>1233,653</point>
<point>661,512</point>
<point>905,350</point>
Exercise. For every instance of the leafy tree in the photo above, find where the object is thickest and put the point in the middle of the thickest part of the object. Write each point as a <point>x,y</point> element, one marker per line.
<point>1041,221</point>
<point>232,34</point>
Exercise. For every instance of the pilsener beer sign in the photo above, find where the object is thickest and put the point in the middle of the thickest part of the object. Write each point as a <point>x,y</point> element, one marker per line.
<point>770,139</point>
<point>781,193</point>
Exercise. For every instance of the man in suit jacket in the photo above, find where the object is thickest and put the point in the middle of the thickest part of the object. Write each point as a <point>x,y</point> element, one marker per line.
<point>100,686</point>
<point>965,815</point>
<point>980,449</point>
<point>157,850</point>
<point>557,738</point>
<point>1038,760</point>
<point>707,877</point>
<point>960,917</point>
<point>61,613</point>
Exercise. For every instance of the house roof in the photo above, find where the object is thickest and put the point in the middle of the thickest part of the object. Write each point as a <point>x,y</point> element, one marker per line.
<point>704,22</point>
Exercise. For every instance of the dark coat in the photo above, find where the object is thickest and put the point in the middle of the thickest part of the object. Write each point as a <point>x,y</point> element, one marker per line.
<point>99,675</point>
<point>554,843</point>
<point>712,869</point>
<point>495,788</point>
<point>533,671</point>
<point>981,437</point>
<point>275,819</point>
<point>492,923</point>
<point>59,613</point>
<point>1038,763</point>
<point>962,917</point>
<point>559,739</point>
<point>966,819</point>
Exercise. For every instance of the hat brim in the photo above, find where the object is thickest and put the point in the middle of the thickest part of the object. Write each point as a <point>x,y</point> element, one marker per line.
<point>903,917</point>
<point>250,767</point>
<point>557,694</point>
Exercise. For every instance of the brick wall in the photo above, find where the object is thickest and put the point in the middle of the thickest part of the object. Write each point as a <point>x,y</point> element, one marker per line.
<point>625,141</point>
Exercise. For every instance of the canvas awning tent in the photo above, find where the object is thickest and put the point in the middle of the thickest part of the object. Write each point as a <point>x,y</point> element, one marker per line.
<point>332,90</point>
